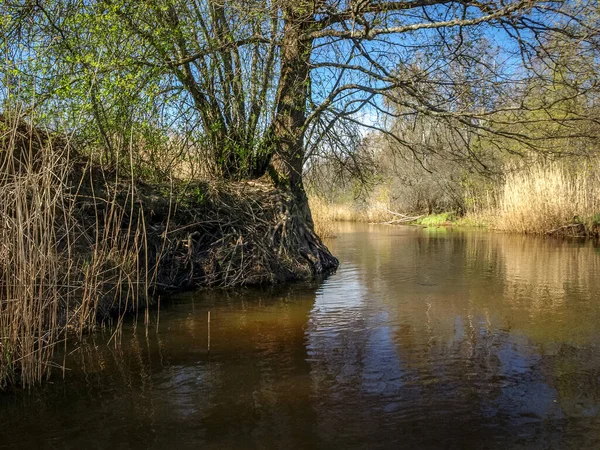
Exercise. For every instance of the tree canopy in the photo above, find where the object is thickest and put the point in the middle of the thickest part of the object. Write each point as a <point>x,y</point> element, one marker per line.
<point>267,85</point>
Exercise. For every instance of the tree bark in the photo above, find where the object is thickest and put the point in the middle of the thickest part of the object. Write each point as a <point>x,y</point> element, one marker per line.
<point>292,96</point>
<point>288,130</point>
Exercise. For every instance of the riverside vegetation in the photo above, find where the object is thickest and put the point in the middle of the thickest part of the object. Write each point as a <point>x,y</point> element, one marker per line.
<point>550,199</point>
<point>81,245</point>
<point>153,146</point>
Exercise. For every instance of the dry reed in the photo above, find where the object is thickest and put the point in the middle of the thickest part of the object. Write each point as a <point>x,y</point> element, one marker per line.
<point>49,288</point>
<point>548,199</point>
<point>323,219</point>
<point>554,198</point>
<point>326,214</point>
<point>76,246</point>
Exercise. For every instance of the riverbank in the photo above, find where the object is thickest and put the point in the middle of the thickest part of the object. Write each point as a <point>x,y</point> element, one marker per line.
<point>549,199</point>
<point>82,245</point>
<point>489,220</point>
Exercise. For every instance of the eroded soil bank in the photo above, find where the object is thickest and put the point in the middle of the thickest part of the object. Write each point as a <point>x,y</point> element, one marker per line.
<point>209,234</point>
<point>81,243</point>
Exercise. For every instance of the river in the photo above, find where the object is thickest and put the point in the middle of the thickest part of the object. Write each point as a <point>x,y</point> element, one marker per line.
<point>424,338</point>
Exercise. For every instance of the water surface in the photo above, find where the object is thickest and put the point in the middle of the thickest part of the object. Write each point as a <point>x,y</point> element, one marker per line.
<point>422,339</point>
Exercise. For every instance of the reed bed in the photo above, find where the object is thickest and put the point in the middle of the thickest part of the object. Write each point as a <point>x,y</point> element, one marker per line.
<point>56,273</point>
<point>323,218</point>
<point>550,199</point>
<point>560,198</point>
<point>81,245</point>
<point>325,214</point>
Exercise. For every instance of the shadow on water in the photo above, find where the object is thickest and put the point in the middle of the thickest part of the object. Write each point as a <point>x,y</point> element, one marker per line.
<point>422,339</point>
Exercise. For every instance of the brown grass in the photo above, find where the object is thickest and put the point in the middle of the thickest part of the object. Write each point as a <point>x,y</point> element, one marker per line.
<point>554,199</point>
<point>326,214</point>
<point>546,198</point>
<point>49,289</point>
<point>323,217</point>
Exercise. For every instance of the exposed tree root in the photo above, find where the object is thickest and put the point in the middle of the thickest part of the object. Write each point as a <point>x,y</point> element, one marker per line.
<point>222,234</point>
<point>79,243</point>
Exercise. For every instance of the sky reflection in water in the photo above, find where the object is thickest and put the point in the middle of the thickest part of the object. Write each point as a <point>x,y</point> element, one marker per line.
<point>423,338</point>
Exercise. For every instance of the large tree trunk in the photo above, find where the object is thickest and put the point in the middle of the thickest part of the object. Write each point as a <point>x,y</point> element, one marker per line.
<point>288,131</point>
<point>292,94</point>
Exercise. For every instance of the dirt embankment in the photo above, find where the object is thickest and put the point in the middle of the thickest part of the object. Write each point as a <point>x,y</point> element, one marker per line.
<point>208,234</point>
<point>126,235</point>
<point>80,243</point>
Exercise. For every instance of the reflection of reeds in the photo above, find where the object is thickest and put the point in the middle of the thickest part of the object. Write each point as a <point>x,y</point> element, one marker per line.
<point>547,272</point>
<point>547,198</point>
<point>56,273</point>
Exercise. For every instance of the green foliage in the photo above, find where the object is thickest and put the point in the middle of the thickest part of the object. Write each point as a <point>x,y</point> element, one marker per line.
<point>125,75</point>
<point>200,195</point>
<point>436,220</point>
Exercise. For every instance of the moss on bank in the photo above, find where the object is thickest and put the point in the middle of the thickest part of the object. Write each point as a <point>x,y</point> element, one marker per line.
<point>437,220</point>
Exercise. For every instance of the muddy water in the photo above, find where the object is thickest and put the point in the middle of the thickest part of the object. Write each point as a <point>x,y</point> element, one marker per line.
<point>422,339</point>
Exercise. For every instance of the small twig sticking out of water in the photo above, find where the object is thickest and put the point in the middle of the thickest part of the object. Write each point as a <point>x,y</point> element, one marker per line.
<point>209,332</point>
<point>158,315</point>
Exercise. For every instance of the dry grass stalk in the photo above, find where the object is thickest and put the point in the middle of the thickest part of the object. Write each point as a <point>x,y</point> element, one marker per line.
<point>48,287</point>
<point>326,214</point>
<point>323,218</point>
<point>548,198</point>
<point>76,245</point>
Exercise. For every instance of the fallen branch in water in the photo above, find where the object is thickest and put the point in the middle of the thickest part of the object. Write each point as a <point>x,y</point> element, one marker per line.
<point>565,227</point>
<point>403,218</point>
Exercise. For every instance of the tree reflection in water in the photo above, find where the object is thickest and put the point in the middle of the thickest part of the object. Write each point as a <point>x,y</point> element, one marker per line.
<point>422,339</point>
